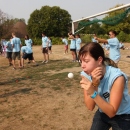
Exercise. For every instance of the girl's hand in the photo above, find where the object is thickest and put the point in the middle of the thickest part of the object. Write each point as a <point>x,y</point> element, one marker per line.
<point>97,74</point>
<point>87,85</point>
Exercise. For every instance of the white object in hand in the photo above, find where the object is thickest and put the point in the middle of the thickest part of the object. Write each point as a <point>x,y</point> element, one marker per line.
<point>70,75</point>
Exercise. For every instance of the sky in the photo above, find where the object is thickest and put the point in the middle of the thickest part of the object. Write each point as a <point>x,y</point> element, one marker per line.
<point>76,8</point>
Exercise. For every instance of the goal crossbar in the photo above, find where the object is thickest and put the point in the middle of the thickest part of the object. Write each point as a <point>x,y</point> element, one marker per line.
<point>105,12</point>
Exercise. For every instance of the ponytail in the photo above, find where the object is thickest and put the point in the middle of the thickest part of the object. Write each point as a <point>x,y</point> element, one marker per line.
<point>110,62</point>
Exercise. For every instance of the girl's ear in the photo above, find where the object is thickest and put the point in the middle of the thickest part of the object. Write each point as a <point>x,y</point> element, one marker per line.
<point>100,60</point>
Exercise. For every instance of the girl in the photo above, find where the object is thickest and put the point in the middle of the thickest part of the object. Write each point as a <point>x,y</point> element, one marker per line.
<point>72,46</point>
<point>49,45</point>
<point>28,41</point>
<point>78,44</point>
<point>114,45</point>
<point>106,87</point>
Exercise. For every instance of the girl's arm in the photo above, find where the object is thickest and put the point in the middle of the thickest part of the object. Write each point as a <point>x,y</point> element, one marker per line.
<point>89,102</point>
<point>109,108</point>
<point>116,94</point>
<point>101,40</point>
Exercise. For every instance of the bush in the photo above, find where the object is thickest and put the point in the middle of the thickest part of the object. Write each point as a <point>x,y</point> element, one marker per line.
<point>86,38</point>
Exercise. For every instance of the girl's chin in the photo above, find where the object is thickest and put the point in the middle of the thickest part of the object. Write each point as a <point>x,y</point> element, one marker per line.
<point>87,73</point>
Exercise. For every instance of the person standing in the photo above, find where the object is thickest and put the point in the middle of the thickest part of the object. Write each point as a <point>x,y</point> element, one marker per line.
<point>29,43</point>
<point>45,46</point>
<point>93,38</point>
<point>106,87</point>
<point>65,41</point>
<point>3,44</point>
<point>50,45</point>
<point>114,44</point>
<point>78,45</point>
<point>9,51</point>
<point>73,46</point>
<point>16,45</point>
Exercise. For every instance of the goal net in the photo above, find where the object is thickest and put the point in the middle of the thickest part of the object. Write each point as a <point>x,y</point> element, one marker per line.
<point>80,24</point>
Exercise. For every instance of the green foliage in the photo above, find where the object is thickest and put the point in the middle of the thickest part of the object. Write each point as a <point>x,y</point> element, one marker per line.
<point>122,36</point>
<point>86,38</point>
<point>54,21</point>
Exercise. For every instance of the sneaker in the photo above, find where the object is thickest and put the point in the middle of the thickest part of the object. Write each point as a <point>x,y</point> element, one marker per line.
<point>14,68</point>
<point>43,61</point>
<point>46,61</point>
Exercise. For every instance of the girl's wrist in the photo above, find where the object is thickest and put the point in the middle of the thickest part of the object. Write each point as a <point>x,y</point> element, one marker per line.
<point>95,93</point>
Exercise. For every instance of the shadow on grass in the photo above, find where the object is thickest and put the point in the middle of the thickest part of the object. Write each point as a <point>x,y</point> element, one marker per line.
<point>14,80</point>
<point>24,91</point>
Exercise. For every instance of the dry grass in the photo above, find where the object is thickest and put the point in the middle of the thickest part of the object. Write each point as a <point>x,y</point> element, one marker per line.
<point>42,97</point>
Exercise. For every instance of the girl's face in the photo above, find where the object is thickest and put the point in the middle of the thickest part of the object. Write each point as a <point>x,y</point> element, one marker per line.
<point>76,36</point>
<point>88,63</point>
<point>111,35</point>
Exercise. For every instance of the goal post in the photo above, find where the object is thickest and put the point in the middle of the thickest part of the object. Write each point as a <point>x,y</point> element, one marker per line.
<point>92,16</point>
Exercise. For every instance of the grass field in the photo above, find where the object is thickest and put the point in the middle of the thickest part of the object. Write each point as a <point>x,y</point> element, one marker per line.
<point>43,97</point>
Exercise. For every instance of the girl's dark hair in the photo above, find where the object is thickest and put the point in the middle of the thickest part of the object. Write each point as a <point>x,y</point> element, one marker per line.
<point>27,37</point>
<point>78,35</point>
<point>114,32</point>
<point>95,50</point>
<point>73,35</point>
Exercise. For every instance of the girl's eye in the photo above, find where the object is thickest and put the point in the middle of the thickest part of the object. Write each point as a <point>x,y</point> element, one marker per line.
<point>86,61</point>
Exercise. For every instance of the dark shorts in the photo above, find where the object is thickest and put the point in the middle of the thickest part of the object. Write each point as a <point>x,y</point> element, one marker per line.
<point>16,55</point>
<point>45,50</point>
<point>9,55</point>
<point>74,50</point>
<point>28,56</point>
<point>49,48</point>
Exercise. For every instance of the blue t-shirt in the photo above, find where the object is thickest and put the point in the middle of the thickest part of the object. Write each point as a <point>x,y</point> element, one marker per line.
<point>9,46</point>
<point>93,40</point>
<point>49,43</point>
<point>65,41</point>
<point>28,43</point>
<point>16,42</point>
<point>114,49</point>
<point>121,45</point>
<point>78,42</point>
<point>44,42</point>
<point>105,85</point>
<point>26,49</point>
<point>73,44</point>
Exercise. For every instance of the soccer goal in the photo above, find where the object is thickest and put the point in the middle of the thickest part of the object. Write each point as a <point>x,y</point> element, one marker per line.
<point>111,21</point>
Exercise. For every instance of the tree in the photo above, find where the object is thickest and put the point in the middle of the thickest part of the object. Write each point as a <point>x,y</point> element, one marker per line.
<point>54,21</point>
<point>6,24</point>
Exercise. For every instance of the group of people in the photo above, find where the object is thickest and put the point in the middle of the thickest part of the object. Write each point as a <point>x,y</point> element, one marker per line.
<point>105,85</point>
<point>75,45</point>
<point>14,49</point>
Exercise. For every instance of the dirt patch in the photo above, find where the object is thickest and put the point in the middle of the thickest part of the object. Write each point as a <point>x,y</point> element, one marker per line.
<point>42,97</point>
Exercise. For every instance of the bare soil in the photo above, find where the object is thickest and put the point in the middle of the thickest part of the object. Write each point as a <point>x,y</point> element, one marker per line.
<point>31,104</point>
